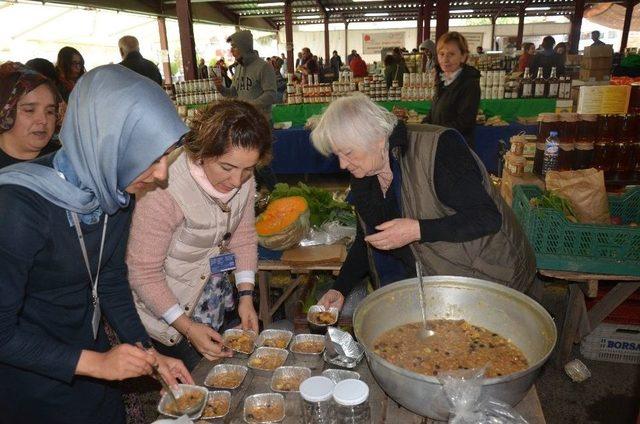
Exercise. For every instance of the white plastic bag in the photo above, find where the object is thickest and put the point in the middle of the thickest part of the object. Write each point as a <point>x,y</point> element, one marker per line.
<point>467,403</point>
<point>329,233</point>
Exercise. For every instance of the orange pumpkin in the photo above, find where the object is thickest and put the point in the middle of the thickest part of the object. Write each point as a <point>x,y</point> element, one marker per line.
<point>284,223</point>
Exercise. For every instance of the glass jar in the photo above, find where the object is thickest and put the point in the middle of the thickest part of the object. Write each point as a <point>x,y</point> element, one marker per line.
<point>621,157</point>
<point>351,399</point>
<point>587,130</point>
<point>568,136</point>
<point>316,393</point>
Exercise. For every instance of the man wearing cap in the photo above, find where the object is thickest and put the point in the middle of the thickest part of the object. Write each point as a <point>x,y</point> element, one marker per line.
<point>254,80</point>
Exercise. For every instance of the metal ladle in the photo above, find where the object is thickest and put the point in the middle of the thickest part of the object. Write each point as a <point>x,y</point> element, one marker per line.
<point>426,331</point>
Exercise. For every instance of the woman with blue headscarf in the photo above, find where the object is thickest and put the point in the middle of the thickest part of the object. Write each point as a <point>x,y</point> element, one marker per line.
<point>63,235</point>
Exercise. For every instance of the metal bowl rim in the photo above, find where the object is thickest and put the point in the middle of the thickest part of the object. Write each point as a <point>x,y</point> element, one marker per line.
<point>443,281</point>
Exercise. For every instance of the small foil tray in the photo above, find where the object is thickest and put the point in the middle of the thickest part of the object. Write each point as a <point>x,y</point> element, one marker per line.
<point>289,372</point>
<point>263,399</point>
<point>183,388</point>
<point>264,351</point>
<point>341,349</point>
<point>315,309</point>
<point>219,369</point>
<point>215,395</point>
<point>274,334</point>
<point>338,375</point>
<point>237,332</point>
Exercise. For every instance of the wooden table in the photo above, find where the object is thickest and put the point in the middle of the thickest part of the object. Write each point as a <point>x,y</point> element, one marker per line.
<point>579,322</point>
<point>383,408</point>
<point>266,310</point>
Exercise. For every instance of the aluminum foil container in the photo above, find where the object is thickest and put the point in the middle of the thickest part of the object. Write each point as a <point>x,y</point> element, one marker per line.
<point>263,399</point>
<point>214,395</point>
<point>342,342</point>
<point>282,354</point>
<point>319,308</point>
<point>338,375</point>
<point>209,380</point>
<point>183,388</point>
<point>307,359</point>
<point>341,349</point>
<point>237,332</point>
<point>289,372</point>
<point>274,334</point>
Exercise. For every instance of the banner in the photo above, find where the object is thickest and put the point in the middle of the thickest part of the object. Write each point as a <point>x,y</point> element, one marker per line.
<point>373,42</point>
<point>474,39</point>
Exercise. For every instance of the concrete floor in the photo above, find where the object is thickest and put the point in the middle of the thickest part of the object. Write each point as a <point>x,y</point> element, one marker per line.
<point>610,396</point>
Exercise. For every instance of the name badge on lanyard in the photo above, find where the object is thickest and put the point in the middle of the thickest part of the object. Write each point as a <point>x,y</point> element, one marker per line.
<point>225,261</point>
<point>95,319</point>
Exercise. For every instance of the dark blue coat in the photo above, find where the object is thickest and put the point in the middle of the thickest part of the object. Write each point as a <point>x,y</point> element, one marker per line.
<point>45,311</point>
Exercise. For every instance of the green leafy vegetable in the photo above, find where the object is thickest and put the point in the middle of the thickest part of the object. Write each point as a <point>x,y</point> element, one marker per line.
<point>322,206</point>
<point>553,201</point>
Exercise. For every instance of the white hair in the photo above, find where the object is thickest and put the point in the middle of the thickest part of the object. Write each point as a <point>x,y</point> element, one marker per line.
<point>352,121</point>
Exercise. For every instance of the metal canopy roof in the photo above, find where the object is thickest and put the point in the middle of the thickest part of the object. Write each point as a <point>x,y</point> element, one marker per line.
<point>269,14</point>
<point>311,11</point>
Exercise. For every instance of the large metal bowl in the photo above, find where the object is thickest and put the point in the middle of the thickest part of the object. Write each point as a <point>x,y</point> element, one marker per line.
<point>495,307</point>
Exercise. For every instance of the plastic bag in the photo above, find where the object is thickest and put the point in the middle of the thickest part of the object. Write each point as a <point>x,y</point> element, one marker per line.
<point>329,233</point>
<point>467,403</point>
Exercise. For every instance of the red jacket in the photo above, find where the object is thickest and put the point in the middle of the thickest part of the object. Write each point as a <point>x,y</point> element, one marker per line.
<point>358,67</point>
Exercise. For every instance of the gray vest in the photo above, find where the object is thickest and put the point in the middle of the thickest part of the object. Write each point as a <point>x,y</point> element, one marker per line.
<point>194,241</point>
<point>504,257</point>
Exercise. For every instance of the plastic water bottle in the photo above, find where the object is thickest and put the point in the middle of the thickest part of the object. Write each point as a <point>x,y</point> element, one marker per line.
<point>551,151</point>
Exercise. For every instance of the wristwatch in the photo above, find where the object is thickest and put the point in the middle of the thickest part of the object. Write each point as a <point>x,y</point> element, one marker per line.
<point>245,293</point>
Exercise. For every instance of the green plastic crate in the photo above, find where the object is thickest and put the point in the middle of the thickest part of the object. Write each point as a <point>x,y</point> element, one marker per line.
<point>562,245</point>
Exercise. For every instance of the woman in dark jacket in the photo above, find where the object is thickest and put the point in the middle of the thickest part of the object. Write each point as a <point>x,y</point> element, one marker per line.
<point>28,113</point>
<point>63,236</point>
<point>457,97</point>
<point>420,194</point>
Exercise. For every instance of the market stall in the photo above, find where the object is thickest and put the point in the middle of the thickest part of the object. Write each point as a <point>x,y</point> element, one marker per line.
<point>293,152</point>
<point>508,109</point>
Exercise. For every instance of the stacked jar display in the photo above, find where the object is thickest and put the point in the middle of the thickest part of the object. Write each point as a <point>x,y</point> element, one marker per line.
<point>195,92</point>
<point>376,88</point>
<point>610,143</point>
<point>492,84</point>
<point>417,86</point>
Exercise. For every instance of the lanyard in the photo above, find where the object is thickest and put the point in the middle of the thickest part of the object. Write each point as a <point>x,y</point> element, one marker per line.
<point>224,243</point>
<point>94,282</point>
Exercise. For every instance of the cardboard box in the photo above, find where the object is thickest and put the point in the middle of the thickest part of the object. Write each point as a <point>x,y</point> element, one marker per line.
<point>596,62</point>
<point>596,74</point>
<point>602,50</point>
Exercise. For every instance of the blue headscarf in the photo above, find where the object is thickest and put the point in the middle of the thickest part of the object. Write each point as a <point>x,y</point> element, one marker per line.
<point>116,125</point>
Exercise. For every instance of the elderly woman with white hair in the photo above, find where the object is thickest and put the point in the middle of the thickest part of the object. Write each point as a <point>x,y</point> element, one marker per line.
<point>420,194</point>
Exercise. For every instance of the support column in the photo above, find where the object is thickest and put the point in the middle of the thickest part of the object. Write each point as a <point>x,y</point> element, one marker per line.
<point>428,11</point>
<point>442,17</point>
<point>164,50</point>
<point>627,24</point>
<point>420,37</point>
<point>520,28</point>
<point>346,41</point>
<point>327,53</point>
<point>576,24</point>
<point>493,32</point>
<point>187,40</point>
<point>288,35</point>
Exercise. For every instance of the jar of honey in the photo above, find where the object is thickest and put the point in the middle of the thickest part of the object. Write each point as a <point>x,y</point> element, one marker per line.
<point>586,136</point>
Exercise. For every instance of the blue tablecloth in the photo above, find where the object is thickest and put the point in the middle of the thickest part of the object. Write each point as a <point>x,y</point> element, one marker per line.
<point>293,152</point>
